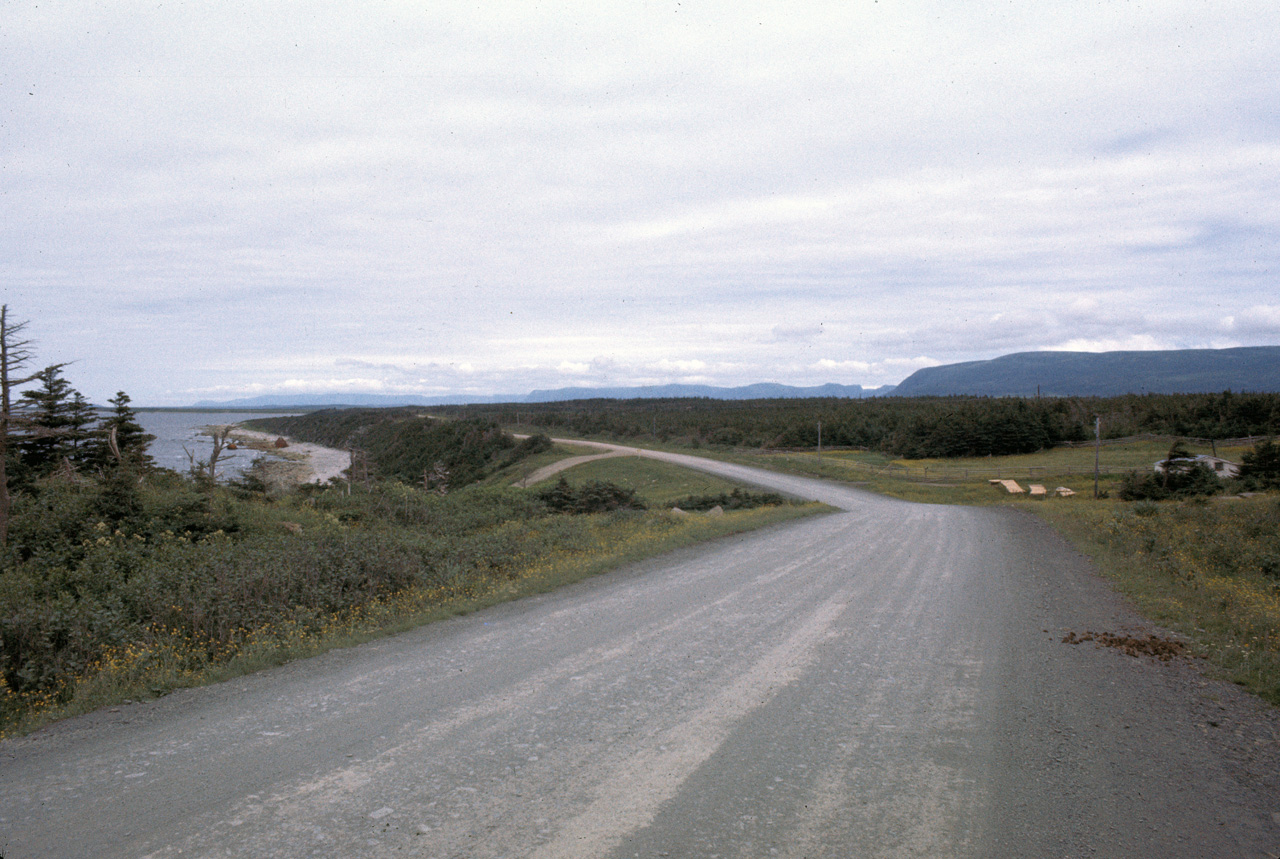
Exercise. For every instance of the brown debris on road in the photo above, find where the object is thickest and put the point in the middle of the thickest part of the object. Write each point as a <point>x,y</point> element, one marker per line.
<point>1152,645</point>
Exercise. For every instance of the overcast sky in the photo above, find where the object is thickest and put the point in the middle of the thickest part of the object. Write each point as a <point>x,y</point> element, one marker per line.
<point>215,200</point>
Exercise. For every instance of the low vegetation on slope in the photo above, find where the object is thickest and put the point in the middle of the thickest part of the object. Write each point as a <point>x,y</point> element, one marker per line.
<point>405,445</point>
<point>130,588</point>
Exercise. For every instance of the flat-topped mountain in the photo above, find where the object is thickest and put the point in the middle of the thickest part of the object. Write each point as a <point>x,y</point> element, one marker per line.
<point>1103,374</point>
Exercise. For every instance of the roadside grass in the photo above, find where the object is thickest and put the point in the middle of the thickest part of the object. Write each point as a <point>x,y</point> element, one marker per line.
<point>1209,570</point>
<point>266,603</point>
<point>515,473</point>
<point>658,483</point>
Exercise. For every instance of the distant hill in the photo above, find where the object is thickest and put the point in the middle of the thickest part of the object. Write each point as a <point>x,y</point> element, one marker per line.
<point>1103,374</point>
<point>324,401</point>
<point>760,391</point>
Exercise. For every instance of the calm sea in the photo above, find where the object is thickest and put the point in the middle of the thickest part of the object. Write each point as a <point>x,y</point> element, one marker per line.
<point>174,430</point>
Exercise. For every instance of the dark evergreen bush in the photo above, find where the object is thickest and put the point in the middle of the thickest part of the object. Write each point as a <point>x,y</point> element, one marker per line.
<point>1194,481</point>
<point>594,496</point>
<point>1260,467</point>
<point>735,500</point>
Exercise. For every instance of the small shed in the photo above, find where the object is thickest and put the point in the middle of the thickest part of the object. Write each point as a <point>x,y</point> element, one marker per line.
<point>1224,468</point>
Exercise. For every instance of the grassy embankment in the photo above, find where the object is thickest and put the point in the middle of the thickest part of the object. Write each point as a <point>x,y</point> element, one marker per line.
<point>131,612</point>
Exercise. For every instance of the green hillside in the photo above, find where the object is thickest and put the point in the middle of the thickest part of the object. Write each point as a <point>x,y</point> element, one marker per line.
<point>1103,374</point>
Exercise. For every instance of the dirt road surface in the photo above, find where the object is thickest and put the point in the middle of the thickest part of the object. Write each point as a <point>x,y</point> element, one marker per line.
<point>886,681</point>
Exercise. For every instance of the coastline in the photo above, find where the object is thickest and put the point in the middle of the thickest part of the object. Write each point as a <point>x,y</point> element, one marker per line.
<point>300,462</point>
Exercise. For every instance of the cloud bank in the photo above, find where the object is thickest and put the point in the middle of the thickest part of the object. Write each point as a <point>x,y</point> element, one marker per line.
<point>238,199</point>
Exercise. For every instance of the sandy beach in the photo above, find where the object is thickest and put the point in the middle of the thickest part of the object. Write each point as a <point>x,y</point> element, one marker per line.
<point>312,463</point>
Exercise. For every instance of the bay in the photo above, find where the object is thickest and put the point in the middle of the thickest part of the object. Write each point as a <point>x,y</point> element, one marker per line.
<point>176,430</point>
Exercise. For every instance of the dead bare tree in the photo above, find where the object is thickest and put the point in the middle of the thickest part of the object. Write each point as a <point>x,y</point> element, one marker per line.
<point>219,436</point>
<point>359,469</point>
<point>436,478</point>
<point>208,467</point>
<point>15,354</point>
<point>113,444</point>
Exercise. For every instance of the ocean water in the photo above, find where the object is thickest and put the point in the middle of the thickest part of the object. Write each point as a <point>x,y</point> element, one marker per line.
<point>176,430</point>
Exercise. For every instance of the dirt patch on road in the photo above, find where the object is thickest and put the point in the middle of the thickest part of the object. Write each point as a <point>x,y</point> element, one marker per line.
<point>1152,645</point>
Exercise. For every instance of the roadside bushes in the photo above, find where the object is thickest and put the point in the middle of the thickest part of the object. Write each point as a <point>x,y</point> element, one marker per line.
<point>594,496</point>
<point>738,499</point>
<point>1260,467</point>
<point>210,568</point>
<point>1194,481</point>
<point>193,578</point>
<point>55,620</point>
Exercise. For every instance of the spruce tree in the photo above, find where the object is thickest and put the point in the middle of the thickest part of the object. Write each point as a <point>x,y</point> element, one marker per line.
<point>50,422</point>
<point>15,354</point>
<point>130,439</point>
<point>81,417</point>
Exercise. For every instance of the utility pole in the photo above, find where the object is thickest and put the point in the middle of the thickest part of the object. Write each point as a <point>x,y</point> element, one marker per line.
<point>1097,451</point>
<point>819,446</point>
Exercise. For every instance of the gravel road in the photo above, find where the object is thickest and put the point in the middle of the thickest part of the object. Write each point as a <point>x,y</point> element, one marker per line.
<point>889,680</point>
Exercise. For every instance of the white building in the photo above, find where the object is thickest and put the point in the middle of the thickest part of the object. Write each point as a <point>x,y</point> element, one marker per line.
<point>1222,467</point>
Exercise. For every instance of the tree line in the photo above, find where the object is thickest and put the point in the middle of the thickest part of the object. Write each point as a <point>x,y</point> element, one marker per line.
<point>917,427</point>
<point>51,427</point>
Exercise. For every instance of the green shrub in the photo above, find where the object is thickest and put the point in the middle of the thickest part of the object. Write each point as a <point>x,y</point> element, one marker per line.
<point>594,496</point>
<point>738,499</point>
<point>534,444</point>
<point>1260,467</point>
<point>1189,482</point>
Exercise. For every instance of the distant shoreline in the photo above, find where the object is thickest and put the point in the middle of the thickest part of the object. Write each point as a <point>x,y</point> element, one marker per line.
<point>278,410</point>
<point>304,462</point>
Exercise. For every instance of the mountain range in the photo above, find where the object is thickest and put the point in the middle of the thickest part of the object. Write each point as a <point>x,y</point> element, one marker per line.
<point>759,391</point>
<point>1023,374</point>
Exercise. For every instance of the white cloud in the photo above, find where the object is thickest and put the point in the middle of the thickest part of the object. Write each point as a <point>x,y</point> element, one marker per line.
<point>1136,343</point>
<point>1261,319</point>
<point>494,198</point>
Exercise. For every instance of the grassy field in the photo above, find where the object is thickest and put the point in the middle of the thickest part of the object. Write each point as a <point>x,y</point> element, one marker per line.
<point>966,481</point>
